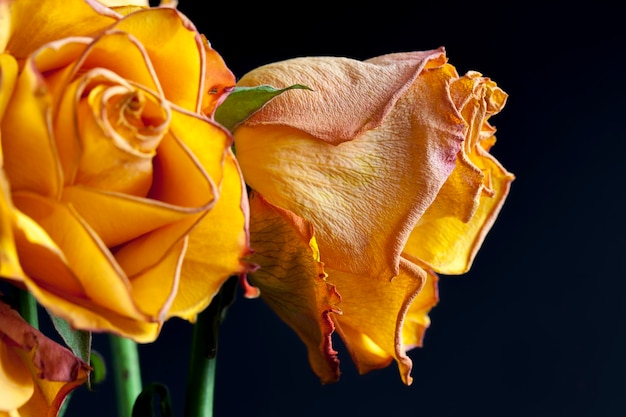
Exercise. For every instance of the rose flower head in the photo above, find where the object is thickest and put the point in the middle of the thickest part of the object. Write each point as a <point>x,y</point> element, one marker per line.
<point>36,373</point>
<point>123,204</point>
<point>364,188</point>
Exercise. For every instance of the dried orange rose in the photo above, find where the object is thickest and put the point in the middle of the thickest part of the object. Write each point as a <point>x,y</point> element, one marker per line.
<point>364,189</point>
<point>124,200</point>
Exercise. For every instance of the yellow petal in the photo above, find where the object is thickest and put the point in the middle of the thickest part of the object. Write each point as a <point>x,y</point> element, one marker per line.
<point>189,161</point>
<point>216,246</point>
<point>364,195</point>
<point>218,79</point>
<point>292,281</point>
<point>118,218</point>
<point>374,310</point>
<point>8,77</point>
<point>16,382</point>
<point>84,256</point>
<point>133,61</point>
<point>29,151</point>
<point>166,33</point>
<point>117,3</point>
<point>9,262</point>
<point>453,229</point>
<point>31,23</point>
<point>154,289</point>
<point>417,320</point>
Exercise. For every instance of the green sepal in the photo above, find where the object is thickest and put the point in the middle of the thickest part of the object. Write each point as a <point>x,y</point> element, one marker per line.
<point>243,102</point>
<point>148,399</point>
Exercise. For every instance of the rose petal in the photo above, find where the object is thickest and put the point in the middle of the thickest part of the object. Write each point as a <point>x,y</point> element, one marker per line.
<point>292,281</point>
<point>16,382</point>
<point>417,320</point>
<point>453,229</point>
<point>372,323</point>
<point>156,300</point>
<point>32,23</point>
<point>135,67</point>
<point>87,259</point>
<point>351,97</point>
<point>8,77</point>
<point>118,218</point>
<point>43,368</point>
<point>190,161</point>
<point>216,246</point>
<point>166,33</point>
<point>26,139</point>
<point>449,245</point>
<point>364,195</point>
<point>10,267</point>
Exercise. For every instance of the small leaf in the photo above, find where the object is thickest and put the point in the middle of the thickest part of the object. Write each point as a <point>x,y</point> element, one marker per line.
<point>79,341</point>
<point>145,402</point>
<point>243,102</point>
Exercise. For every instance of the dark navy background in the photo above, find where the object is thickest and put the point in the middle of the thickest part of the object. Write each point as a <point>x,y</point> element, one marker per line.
<point>538,327</point>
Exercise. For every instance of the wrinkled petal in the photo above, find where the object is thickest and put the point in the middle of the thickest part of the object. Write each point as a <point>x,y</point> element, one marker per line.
<point>363,196</point>
<point>351,97</point>
<point>217,246</point>
<point>31,23</point>
<point>374,310</point>
<point>453,229</point>
<point>417,320</point>
<point>292,281</point>
<point>36,374</point>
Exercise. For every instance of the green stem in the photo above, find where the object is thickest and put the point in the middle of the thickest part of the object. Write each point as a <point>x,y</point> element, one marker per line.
<point>201,376</point>
<point>28,307</point>
<point>127,373</point>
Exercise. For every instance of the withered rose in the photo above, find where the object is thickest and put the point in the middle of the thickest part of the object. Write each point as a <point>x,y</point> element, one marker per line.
<point>365,188</point>
<point>124,203</point>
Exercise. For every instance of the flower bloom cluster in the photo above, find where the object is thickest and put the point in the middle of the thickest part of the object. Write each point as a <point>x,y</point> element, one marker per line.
<point>122,203</point>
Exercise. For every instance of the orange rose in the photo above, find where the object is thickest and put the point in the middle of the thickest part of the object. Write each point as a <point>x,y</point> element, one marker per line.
<point>36,374</point>
<point>364,189</point>
<point>124,201</point>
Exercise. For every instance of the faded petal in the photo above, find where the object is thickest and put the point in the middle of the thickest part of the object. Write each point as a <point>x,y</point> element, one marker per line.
<point>453,229</point>
<point>36,374</point>
<point>373,321</point>
<point>292,281</point>
<point>417,320</point>
<point>363,195</point>
<point>351,97</point>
